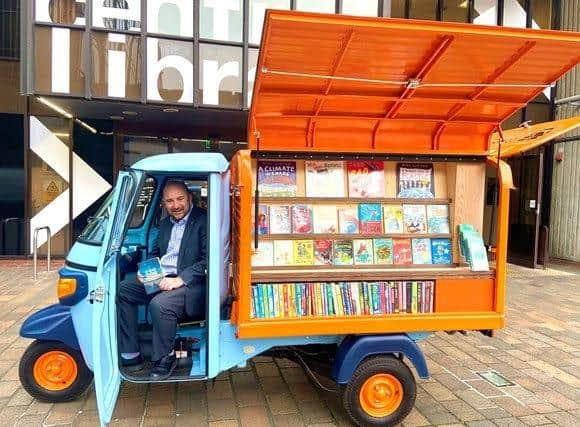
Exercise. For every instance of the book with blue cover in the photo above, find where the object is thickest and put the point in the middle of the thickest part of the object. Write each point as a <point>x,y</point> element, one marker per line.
<point>370,217</point>
<point>421,251</point>
<point>441,251</point>
<point>152,273</point>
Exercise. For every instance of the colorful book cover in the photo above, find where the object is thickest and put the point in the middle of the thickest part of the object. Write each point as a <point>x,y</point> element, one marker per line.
<point>402,254</point>
<point>285,299</point>
<point>354,296</point>
<point>298,301</point>
<point>283,252</point>
<point>264,255</point>
<point>318,295</point>
<point>342,252</point>
<point>370,217</point>
<point>303,252</point>
<point>263,220</point>
<point>363,251</point>
<point>415,218</point>
<point>325,219</point>
<point>383,251</point>
<point>415,181</point>
<point>338,299</point>
<point>152,274</point>
<point>441,251</point>
<point>277,178</point>
<point>414,298</point>
<point>264,296</point>
<point>301,219</point>
<point>331,305</point>
<point>271,301</point>
<point>438,219</point>
<point>323,252</point>
<point>345,299</point>
<point>348,220</point>
<point>280,222</point>
<point>253,307</point>
<point>393,219</point>
<point>421,251</point>
<point>366,178</point>
<point>277,298</point>
<point>325,179</point>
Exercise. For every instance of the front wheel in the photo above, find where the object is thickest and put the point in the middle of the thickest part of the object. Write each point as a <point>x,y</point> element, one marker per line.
<point>381,392</point>
<point>50,371</point>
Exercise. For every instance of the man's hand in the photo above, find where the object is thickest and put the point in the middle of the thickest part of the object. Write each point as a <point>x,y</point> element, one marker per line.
<point>140,278</point>
<point>169,283</point>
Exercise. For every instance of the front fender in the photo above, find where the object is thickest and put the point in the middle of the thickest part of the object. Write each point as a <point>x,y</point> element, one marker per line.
<point>52,323</point>
<point>354,349</point>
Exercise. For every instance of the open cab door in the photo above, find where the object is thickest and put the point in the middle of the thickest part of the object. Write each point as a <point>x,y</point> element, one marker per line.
<point>104,329</point>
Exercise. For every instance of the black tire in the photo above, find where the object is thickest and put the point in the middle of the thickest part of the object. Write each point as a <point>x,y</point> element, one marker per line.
<point>368,368</point>
<point>78,386</point>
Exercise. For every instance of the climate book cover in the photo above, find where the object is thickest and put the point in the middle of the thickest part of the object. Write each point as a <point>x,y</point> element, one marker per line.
<point>277,178</point>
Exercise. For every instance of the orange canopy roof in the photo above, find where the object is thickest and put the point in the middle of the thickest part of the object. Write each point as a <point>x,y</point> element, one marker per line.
<point>519,140</point>
<point>331,83</point>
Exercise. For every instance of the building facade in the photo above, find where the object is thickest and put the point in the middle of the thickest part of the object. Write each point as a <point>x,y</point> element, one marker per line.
<point>107,82</point>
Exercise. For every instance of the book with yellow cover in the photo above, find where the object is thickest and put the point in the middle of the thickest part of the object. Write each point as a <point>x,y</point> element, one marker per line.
<point>303,252</point>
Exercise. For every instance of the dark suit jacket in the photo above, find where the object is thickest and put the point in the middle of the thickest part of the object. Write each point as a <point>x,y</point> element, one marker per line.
<point>192,259</point>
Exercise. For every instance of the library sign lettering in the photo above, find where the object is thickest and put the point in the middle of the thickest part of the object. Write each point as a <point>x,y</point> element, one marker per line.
<point>117,43</point>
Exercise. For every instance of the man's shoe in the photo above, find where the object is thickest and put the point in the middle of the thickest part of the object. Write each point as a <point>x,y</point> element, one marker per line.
<point>163,368</point>
<point>132,365</point>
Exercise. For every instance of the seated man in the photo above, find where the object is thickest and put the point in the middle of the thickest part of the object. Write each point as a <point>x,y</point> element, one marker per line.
<point>182,245</point>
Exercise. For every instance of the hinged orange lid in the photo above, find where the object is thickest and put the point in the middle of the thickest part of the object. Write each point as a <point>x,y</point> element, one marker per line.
<point>331,83</point>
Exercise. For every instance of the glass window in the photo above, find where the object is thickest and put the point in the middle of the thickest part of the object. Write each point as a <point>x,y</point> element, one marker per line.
<point>252,63</point>
<point>456,10</point>
<point>514,13</point>
<point>325,6</point>
<point>169,70</point>
<point>173,17</point>
<point>58,61</point>
<point>360,8</point>
<point>394,8</point>
<point>67,12</point>
<point>542,14</point>
<point>220,80</point>
<point>116,65</point>
<point>96,227</point>
<point>10,29</point>
<point>143,203</point>
<point>485,12</point>
<point>221,20</point>
<point>423,9</point>
<point>12,189</point>
<point>257,11</point>
<point>137,148</point>
<point>49,180</point>
<point>117,14</point>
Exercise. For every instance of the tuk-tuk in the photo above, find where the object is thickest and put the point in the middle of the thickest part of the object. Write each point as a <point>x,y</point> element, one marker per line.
<point>424,115</point>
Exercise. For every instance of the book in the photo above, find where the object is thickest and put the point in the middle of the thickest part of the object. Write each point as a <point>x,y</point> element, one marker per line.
<point>303,252</point>
<point>393,219</point>
<point>438,219</point>
<point>415,218</point>
<point>348,220</point>
<point>283,252</point>
<point>277,178</point>
<point>263,220</point>
<point>323,252</point>
<point>475,251</point>
<point>152,274</point>
<point>263,256</point>
<point>363,251</point>
<point>324,179</point>
<point>342,252</point>
<point>421,251</point>
<point>301,219</point>
<point>402,253</point>
<point>325,219</point>
<point>383,251</point>
<point>441,251</point>
<point>280,222</point>
<point>366,178</point>
<point>370,217</point>
<point>415,181</point>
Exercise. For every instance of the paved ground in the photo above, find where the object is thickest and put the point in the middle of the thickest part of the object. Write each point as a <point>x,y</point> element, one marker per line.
<point>539,351</point>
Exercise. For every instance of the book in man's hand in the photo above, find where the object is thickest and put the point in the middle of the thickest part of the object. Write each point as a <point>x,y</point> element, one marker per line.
<point>152,273</point>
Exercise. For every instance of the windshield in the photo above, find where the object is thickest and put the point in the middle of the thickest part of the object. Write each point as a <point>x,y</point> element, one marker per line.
<point>94,232</point>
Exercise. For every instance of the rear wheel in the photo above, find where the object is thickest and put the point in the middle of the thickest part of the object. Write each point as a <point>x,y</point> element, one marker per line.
<point>50,371</point>
<point>381,392</point>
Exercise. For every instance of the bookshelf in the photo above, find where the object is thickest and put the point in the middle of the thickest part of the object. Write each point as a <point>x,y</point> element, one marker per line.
<point>462,299</point>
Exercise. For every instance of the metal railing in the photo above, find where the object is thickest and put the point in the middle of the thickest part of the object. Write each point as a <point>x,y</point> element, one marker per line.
<point>35,249</point>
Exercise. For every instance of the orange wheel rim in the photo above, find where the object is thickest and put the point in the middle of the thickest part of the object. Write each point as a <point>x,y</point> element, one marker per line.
<point>55,370</point>
<point>381,395</point>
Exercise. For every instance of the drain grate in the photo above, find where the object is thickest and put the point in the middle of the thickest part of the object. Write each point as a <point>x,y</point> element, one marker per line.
<point>495,379</point>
